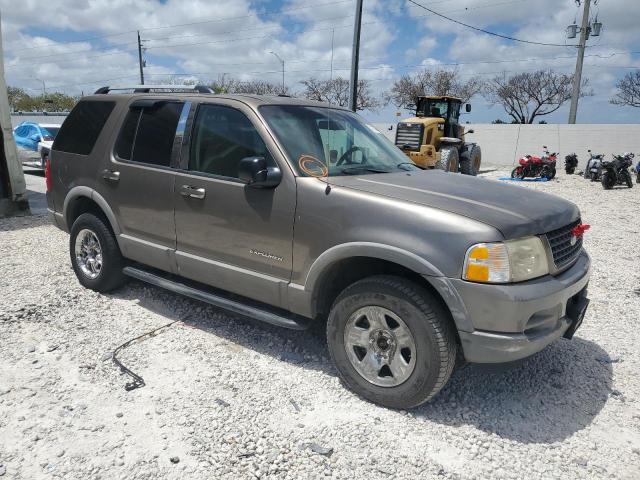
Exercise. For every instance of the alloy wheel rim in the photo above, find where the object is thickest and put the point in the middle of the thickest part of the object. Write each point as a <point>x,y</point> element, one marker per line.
<point>88,253</point>
<point>380,346</point>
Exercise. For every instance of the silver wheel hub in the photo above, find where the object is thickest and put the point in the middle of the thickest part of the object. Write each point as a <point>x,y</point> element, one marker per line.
<point>380,346</point>
<point>88,253</point>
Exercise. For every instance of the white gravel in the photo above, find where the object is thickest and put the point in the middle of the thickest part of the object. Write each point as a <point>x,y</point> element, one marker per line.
<point>230,398</point>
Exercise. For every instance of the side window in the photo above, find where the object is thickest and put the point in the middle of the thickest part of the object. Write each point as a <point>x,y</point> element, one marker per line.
<point>82,127</point>
<point>147,134</point>
<point>222,136</point>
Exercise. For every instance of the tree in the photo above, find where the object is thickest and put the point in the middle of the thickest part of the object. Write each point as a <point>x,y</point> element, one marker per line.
<point>628,93</point>
<point>16,96</point>
<point>528,95</point>
<point>405,91</point>
<point>336,92</point>
<point>52,102</point>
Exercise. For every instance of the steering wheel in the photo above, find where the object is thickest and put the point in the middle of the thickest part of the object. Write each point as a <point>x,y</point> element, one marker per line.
<point>349,153</point>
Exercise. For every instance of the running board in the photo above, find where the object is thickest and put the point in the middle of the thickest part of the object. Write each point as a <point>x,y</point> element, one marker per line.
<point>250,309</point>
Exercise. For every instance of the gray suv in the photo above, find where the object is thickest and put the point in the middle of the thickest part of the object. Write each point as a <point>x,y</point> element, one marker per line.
<point>293,212</point>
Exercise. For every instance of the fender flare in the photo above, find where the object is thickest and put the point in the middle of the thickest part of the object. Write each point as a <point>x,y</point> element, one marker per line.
<point>82,191</point>
<point>430,272</point>
<point>367,249</point>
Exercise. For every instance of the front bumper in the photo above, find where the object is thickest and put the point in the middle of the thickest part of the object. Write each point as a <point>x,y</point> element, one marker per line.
<point>515,321</point>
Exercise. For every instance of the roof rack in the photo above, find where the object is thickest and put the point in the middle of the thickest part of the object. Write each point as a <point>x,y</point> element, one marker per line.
<point>148,88</point>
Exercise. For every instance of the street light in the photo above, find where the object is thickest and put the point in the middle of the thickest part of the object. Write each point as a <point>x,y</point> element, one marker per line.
<point>282,62</point>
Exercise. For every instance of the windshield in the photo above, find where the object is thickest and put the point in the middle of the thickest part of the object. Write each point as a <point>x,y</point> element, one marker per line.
<point>432,108</point>
<point>323,141</point>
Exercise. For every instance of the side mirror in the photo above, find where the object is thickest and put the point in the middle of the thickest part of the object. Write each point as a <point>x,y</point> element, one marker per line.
<point>333,156</point>
<point>467,108</point>
<point>255,172</point>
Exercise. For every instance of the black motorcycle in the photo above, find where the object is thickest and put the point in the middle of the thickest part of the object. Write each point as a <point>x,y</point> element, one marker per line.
<point>570,163</point>
<point>594,166</point>
<point>638,173</point>
<point>616,171</point>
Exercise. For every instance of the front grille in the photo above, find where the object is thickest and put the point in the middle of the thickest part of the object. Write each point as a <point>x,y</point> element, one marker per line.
<point>409,135</point>
<point>560,243</point>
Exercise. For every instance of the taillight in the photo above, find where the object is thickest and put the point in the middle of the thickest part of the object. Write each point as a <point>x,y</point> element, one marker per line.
<point>47,174</point>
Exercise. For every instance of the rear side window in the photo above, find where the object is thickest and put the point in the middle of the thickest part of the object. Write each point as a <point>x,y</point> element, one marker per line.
<point>82,127</point>
<point>148,133</point>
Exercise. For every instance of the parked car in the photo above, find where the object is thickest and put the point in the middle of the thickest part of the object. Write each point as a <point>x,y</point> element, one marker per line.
<point>34,142</point>
<point>292,212</point>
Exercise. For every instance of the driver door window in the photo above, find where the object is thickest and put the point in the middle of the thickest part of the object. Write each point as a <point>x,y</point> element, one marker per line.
<point>222,136</point>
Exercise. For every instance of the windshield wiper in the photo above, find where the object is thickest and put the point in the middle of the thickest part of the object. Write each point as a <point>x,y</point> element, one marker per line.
<point>355,168</point>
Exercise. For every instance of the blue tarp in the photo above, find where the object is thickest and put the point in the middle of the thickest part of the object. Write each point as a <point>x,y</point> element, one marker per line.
<point>538,179</point>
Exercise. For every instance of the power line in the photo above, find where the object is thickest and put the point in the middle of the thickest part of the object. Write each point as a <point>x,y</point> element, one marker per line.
<point>219,19</point>
<point>129,44</point>
<point>487,31</point>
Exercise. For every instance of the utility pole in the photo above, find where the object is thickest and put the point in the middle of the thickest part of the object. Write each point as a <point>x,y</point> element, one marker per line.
<point>282,63</point>
<point>13,189</point>
<point>44,86</point>
<point>140,61</point>
<point>577,78</point>
<point>355,57</point>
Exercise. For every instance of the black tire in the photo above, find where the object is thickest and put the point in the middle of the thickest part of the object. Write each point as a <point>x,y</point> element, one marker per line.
<point>426,319</point>
<point>570,170</point>
<point>638,178</point>
<point>466,166</point>
<point>548,173</point>
<point>627,179</point>
<point>607,181</point>
<point>517,172</point>
<point>110,275</point>
<point>470,161</point>
<point>449,159</point>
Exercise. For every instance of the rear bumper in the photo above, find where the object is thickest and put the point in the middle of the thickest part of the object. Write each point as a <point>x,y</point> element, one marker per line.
<point>511,322</point>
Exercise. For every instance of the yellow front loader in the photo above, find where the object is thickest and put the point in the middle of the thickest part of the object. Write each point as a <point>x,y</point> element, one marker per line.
<point>434,138</point>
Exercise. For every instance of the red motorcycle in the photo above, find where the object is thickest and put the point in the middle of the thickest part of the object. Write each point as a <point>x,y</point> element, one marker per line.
<point>531,166</point>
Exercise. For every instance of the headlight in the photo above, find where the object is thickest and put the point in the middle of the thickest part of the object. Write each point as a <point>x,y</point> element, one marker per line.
<point>504,262</point>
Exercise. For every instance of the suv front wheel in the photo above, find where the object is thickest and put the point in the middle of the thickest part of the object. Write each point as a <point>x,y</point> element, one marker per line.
<point>95,256</point>
<point>391,341</point>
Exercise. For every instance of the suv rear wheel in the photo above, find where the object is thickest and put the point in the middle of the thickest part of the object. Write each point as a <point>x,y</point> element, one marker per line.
<point>95,255</point>
<point>391,341</point>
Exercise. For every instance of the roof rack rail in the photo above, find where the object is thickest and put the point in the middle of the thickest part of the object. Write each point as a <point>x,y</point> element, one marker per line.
<point>148,88</point>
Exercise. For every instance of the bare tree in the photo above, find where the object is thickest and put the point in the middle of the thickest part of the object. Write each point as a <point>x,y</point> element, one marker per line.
<point>228,84</point>
<point>628,93</point>
<point>405,91</point>
<point>528,95</point>
<point>336,92</point>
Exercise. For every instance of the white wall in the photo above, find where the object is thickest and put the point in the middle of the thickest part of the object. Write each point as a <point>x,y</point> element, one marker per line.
<point>53,119</point>
<point>505,144</point>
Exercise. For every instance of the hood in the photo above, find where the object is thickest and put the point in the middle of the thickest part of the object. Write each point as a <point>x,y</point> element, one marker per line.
<point>514,211</point>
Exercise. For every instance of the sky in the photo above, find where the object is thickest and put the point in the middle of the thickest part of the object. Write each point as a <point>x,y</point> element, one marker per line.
<point>76,46</point>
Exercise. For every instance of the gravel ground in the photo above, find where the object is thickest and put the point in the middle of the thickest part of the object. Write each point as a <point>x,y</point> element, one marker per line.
<point>226,397</point>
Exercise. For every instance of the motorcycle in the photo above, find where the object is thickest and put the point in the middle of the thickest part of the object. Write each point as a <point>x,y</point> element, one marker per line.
<point>616,171</point>
<point>532,166</point>
<point>570,163</point>
<point>593,168</point>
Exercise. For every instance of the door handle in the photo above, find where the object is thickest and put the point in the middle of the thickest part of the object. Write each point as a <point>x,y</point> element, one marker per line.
<point>192,192</point>
<point>111,175</point>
